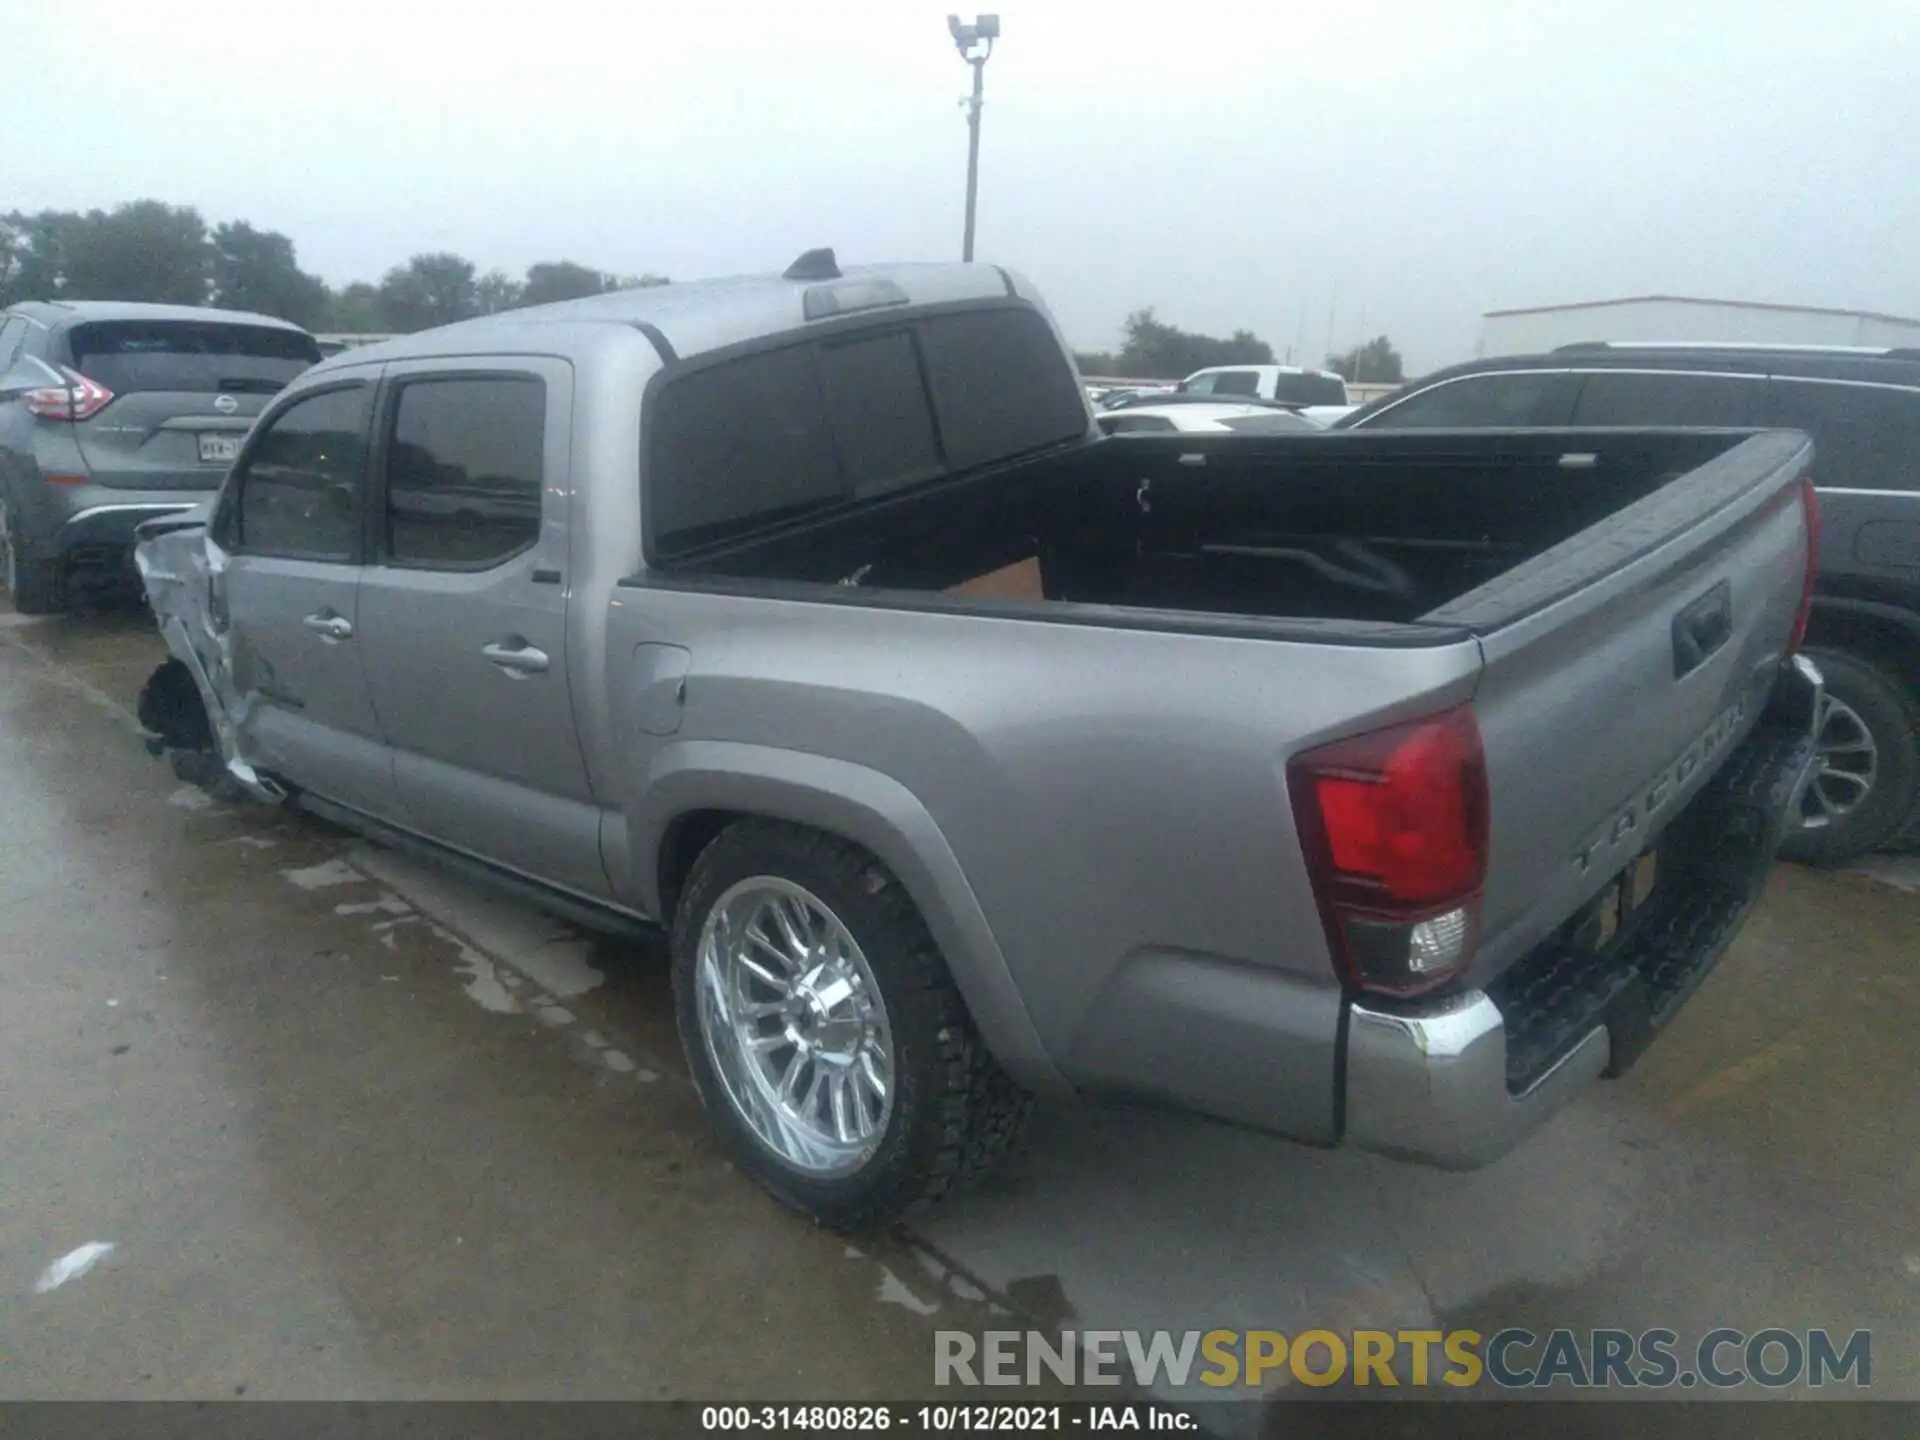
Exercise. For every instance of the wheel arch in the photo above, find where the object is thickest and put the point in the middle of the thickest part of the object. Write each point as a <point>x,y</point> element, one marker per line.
<point>697,788</point>
<point>1885,636</point>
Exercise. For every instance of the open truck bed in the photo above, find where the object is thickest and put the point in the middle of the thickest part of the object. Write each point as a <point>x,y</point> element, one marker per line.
<point>1386,530</point>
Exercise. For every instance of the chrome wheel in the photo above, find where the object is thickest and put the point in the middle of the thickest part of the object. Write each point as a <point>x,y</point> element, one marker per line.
<point>1846,762</point>
<point>793,1021</point>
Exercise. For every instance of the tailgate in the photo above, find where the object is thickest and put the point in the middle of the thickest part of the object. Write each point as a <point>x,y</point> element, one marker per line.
<point>1620,669</point>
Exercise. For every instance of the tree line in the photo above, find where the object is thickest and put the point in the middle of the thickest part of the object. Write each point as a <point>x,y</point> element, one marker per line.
<point>1151,349</point>
<point>148,250</point>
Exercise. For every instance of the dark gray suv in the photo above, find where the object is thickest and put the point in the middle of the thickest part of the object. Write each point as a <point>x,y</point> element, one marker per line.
<point>112,413</point>
<point>1861,407</point>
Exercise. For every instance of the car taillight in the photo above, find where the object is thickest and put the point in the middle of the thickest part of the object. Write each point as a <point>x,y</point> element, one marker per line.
<point>1395,828</point>
<point>81,399</point>
<point>1810,507</point>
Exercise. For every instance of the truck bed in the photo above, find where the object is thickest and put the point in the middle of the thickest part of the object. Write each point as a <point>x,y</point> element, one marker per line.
<point>1383,529</point>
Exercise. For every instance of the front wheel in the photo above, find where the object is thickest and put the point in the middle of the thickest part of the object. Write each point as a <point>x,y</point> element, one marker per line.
<point>825,1033</point>
<point>1867,769</point>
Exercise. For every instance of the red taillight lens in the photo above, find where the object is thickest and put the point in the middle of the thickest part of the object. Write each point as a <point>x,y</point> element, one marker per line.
<point>79,400</point>
<point>1810,507</point>
<point>1395,827</point>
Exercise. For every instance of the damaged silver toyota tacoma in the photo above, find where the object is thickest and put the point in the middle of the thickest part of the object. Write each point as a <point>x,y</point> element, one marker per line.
<point>1372,789</point>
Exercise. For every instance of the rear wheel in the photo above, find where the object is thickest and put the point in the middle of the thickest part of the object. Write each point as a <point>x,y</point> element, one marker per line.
<point>33,585</point>
<point>825,1033</point>
<point>1867,768</point>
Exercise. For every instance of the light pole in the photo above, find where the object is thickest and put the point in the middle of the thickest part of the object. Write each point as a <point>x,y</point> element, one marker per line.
<point>975,44</point>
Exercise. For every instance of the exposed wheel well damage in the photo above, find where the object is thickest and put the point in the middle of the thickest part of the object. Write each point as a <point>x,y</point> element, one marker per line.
<point>686,836</point>
<point>171,709</point>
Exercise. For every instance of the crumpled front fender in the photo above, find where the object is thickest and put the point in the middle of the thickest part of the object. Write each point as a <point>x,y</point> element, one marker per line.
<point>179,565</point>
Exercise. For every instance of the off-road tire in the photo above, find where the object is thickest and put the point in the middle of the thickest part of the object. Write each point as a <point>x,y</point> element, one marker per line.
<point>1889,713</point>
<point>955,1112</point>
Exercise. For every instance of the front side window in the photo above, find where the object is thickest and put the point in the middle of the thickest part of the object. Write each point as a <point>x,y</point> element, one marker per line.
<point>298,487</point>
<point>1474,402</point>
<point>464,471</point>
<point>1237,382</point>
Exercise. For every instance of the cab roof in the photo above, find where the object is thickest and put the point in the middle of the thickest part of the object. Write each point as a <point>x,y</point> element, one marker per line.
<point>702,315</point>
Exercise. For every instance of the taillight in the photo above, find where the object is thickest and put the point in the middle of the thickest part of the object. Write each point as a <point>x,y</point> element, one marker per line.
<point>80,399</point>
<point>1810,507</point>
<point>1394,824</point>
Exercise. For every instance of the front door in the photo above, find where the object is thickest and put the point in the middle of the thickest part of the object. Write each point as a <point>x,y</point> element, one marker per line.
<point>463,611</point>
<point>290,519</point>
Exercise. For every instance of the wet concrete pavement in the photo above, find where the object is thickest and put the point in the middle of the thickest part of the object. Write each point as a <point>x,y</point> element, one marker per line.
<point>354,1128</point>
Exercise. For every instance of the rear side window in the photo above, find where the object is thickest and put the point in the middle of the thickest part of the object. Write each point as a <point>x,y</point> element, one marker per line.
<point>298,488</point>
<point>773,436</point>
<point>1473,402</point>
<point>1669,399</point>
<point>190,355</point>
<point>464,471</point>
<point>1310,389</point>
<point>1864,437</point>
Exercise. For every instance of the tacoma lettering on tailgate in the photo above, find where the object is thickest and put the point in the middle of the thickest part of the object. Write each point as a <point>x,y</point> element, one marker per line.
<point>1625,832</point>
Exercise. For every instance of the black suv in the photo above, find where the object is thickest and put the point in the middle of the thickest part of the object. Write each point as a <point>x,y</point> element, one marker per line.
<point>1862,409</point>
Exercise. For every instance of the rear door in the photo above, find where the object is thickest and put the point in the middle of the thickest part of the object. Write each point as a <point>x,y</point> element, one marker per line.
<point>290,519</point>
<point>463,615</point>
<point>184,393</point>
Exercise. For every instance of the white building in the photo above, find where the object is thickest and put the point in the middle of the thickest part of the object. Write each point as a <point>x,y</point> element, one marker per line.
<point>1679,317</point>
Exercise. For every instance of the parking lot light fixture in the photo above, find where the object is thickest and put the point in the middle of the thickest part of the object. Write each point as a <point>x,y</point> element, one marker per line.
<point>974,40</point>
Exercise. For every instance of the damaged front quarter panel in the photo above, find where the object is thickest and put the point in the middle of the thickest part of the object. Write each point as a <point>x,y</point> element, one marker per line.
<point>180,565</point>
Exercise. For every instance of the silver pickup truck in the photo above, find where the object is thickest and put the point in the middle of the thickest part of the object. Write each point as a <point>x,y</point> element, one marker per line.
<point>1370,789</point>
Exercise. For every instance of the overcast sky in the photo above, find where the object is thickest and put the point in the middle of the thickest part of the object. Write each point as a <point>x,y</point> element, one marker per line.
<point>1401,167</point>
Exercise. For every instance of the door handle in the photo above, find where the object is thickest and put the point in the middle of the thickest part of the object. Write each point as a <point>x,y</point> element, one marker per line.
<point>1701,627</point>
<point>329,627</point>
<point>522,659</point>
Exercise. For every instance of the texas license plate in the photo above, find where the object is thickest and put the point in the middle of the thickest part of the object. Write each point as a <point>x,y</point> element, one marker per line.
<point>219,449</point>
